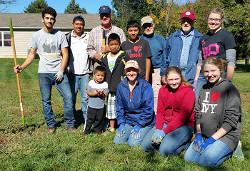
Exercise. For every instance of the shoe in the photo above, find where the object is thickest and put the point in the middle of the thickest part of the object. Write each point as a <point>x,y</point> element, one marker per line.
<point>108,131</point>
<point>99,133</point>
<point>73,129</point>
<point>238,152</point>
<point>84,135</point>
<point>51,130</point>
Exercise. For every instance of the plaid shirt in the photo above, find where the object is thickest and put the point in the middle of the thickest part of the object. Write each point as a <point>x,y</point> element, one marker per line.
<point>96,39</point>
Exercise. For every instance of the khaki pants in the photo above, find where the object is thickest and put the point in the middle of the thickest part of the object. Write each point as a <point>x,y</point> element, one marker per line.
<point>156,84</point>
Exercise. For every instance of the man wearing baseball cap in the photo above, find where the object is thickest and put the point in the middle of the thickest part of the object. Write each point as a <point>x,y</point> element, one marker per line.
<point>95,46</point>
<point>181,48</point>
<point>157,44</point>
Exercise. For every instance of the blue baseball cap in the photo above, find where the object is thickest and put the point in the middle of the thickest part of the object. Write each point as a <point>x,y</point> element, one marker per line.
<point>104,9</point>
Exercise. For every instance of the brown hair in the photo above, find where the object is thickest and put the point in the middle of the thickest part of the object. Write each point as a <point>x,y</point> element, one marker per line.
<point>220,63</point>
<point>174,69</point>
<point>218,11</point>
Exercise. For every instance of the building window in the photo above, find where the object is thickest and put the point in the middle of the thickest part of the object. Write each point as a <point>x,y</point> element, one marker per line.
<point>5,39</point>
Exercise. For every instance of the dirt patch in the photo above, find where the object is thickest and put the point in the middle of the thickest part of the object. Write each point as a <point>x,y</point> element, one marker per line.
<point>3,140</point>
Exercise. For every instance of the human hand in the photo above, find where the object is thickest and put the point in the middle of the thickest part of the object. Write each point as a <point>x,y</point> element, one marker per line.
<point>156,132</point>
<point>194,84</point>
<point>59,76</point>
<point>18,69</point>
<point>197,142</point>
<point>121,130</point>
<point>136,132</point>
<point>206,144</point>
<point>105,49</point>
<point>158,138</point>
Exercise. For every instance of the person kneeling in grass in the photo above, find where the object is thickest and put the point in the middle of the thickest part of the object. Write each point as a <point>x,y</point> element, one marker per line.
<point>134,107</point>
<point>175,116</point>
<point>218,117</point>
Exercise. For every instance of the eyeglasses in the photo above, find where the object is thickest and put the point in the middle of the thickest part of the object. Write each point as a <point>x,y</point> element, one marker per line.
<point>214,19</point>
<point>147,25</point>
<point>107,15</point>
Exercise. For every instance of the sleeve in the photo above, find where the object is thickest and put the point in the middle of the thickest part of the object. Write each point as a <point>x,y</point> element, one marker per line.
<point>165,60</point>
<point>200,58</point>
<point>64,41</point>
<point>148,50</point>
<point>187,108</point>
<point>160,109</point>
<point>122,36</point>
<point>147,114</point>
<point>90,88</point>
<point>119,107</point>
<point>197,109</point>
<point>90,47</point>
<point>231,57</point>
<point>33,41</point>
<point>229,42</point>
<point>233,109</point>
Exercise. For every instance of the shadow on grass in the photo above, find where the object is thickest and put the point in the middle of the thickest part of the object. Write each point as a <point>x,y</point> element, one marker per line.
<point>242,68</point>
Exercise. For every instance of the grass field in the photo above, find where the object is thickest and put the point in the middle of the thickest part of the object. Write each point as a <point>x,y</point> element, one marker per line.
<point>68,151</point>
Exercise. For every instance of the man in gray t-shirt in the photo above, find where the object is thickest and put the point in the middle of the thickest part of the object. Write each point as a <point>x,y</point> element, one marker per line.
<point>51,45</point>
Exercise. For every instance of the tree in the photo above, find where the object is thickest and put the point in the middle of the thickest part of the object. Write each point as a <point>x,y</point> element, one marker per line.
<point>74,8</point>
<point>36,7</point>
<point>5,3</point>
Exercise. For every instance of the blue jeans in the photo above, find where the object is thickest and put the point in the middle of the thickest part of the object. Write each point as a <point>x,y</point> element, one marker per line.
<point>45,82</point>
<point>200,82</point>
<point>173,143</point>
<point>127,137</point>
<point>79,82</point>
<point>217,153</point>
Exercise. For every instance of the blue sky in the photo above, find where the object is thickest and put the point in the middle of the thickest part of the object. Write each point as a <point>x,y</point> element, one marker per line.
<point>91,6</point>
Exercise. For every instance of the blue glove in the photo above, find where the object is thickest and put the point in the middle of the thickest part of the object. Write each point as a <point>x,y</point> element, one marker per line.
<point>194,84</point>
<point>206,144</point>
<point>158,138</point>
<point>197,142</point>
<point>121,130</point>
<point>136,132</point>
<point>59,76</point>
<point>156,132</point>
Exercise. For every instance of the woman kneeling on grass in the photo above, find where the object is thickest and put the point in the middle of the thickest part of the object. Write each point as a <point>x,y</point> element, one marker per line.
<point>134,107</point>
<point>175,116</point>
<point>218,117</point>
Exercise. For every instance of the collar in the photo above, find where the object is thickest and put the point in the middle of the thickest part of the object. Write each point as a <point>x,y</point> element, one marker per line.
<point>82,36</point>
<point>191,33</point>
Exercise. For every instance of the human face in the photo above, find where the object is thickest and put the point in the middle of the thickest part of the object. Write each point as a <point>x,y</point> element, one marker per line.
<point>173,80</point>
<point>78,27</point>
<point>132,74</point>
<point>214,22</point>
<point>186,24</point>
<point>133,33</point>
<point>114,46</point>
<point>148,28</point>
<point>211,73</point>
<point>105,18</point>
<point>99,76</point>
<point>48,21</point>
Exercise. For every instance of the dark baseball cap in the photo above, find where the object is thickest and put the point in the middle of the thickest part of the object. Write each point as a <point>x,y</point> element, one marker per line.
<point>104,9</point>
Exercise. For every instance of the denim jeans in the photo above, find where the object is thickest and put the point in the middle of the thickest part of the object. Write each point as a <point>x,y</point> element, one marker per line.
<point>200,82</point>
<point>45,82</point>
<point>127,137</point>
<point>79,82</point>
<point>217,153</point>
<point>173,143</point>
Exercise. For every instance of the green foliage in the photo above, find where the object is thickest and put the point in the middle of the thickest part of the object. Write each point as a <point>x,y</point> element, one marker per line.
<point>74,8</point>
<point>67,151</point>
<point>36,7</point>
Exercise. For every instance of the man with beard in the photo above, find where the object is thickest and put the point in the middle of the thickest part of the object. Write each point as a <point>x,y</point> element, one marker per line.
<point>157,44</point>
<point>181,48</point>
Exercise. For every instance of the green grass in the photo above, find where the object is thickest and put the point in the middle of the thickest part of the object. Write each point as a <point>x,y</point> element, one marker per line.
<point>68,151</point>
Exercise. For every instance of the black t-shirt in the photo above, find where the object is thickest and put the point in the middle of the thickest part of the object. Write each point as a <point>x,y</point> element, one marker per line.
<point>216,44</point>
<point>138,51</point>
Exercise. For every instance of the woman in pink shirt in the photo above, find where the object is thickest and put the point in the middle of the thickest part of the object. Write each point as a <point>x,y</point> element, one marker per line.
<point>174,124</point>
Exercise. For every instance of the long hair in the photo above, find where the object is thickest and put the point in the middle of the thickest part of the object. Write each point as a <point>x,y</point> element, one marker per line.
<point>174,69</point>
<point>219,62</point>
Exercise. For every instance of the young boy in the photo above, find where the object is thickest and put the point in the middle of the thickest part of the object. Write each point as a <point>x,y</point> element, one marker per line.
<point>114,62</point>
<point>97,90</point>
<point>138,49</point>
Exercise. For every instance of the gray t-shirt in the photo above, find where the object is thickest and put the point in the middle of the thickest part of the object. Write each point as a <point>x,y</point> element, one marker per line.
<point>49,47</point>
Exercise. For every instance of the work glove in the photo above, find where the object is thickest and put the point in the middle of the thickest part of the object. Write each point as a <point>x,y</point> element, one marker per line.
<point>156,132</point>
<point>59,76</point>
<point>121,130</point>
<point>206,144</point>
<point>194,84</point>
<point>158,138</point>
<point>197,142</point>
<point>136,132</point>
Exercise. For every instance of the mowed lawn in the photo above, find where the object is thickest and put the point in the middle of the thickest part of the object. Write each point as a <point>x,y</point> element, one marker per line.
<point>67,151</point>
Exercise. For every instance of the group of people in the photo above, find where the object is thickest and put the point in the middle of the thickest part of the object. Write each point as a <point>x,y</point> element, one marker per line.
<point>159,92</point>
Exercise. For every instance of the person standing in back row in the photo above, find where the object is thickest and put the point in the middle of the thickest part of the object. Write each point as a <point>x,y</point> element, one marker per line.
<point>52,49</point>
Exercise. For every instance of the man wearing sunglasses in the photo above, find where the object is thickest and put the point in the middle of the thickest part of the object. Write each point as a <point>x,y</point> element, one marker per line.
<point>181,48</point>
<point>96,46</point>
<point>79,64</point>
